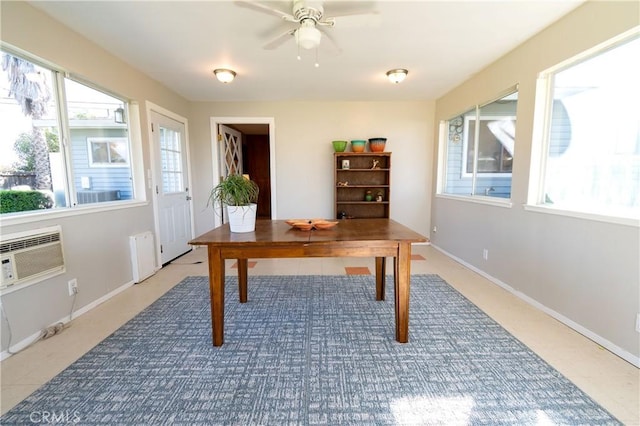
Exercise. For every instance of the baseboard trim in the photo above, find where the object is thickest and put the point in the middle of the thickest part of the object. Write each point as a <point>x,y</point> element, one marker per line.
<point>65,320</point>
<point>610,346</point>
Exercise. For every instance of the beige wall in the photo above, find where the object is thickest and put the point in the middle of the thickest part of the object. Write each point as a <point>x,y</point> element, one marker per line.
<point>584,272</point>
<point>96,244</point>
<point>304,154</point>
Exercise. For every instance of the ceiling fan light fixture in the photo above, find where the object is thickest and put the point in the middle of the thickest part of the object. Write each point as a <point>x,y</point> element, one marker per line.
<point>308,37</point>
<point>397,75</point>
<point>224,75</point>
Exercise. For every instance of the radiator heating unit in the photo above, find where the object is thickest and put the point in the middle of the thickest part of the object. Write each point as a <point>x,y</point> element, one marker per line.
<point>142,256</point>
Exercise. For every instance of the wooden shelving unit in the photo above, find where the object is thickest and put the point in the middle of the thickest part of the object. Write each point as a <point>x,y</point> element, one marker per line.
<point>352,184</point>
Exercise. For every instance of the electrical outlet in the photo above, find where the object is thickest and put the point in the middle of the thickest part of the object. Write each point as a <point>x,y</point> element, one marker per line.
<point>638,323</point>
<point>73,287</point>
<point>485,254</point>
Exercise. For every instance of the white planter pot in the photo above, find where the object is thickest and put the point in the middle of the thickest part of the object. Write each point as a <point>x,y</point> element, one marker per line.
<point>242,218</point>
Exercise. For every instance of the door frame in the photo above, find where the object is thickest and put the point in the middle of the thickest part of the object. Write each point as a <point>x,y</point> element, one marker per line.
<point>153,175</point>
<point>215,154</point>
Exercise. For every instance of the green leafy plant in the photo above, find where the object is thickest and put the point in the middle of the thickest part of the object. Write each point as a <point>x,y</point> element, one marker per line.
<point>24,149</point>
<point>235,190</point>
<point>21,201</point>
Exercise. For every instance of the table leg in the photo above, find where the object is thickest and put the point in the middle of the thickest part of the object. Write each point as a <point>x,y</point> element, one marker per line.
<point>402,281</point>
<point>242,279</point>
<point>216,289</point>
<point>380,277</point>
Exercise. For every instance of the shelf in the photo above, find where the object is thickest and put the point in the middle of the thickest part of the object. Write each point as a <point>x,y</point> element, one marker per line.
<point>362,186</point>
<point>367,173</point>
<point>369,203</point>
<point>362,154</point>
<point>362,170</point>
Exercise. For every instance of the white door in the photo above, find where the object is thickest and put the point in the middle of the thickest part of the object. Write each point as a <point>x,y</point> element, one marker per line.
<point>230,154</point>
<point>172,187</point>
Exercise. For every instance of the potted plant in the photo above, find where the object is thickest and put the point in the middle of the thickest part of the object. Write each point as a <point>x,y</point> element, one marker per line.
<point>239,194</point>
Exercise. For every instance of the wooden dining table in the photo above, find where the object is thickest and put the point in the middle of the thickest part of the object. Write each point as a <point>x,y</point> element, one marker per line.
<point>378,238</point>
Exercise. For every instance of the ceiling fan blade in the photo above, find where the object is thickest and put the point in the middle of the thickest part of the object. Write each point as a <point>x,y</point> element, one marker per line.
<point>333,46</point>
<point>352,15</point>
<point>278,30</point>
<point>336,9</point>
<point>369,20</point>
<point>280,39</point>
<point>266,9</point>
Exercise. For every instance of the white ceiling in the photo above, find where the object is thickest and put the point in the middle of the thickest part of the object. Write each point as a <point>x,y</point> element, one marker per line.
<point>179,43</point>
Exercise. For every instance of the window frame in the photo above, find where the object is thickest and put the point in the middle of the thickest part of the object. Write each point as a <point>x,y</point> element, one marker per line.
<point>135,150</point>
<point>543,107</point>
<point>443,143</point>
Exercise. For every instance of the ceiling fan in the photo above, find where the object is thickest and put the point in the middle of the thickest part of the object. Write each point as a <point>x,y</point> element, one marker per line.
<point>309,19</point>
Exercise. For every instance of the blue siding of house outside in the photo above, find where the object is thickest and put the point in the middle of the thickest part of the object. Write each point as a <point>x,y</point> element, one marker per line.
<point>106,183</point>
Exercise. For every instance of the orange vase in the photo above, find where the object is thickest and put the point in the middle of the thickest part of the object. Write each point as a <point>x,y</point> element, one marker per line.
<point>377,144</point>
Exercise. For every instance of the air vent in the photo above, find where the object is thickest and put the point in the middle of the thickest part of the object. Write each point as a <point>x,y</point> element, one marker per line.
<point>39,240</point>
<point>29,257</point>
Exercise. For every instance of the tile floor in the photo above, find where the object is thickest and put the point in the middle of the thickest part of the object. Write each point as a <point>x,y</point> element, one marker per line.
<point>609,380</point>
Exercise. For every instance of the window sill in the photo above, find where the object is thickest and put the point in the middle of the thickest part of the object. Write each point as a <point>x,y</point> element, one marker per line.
<point>479,199</point>
<point>620,220</point>
<point>38,216</point>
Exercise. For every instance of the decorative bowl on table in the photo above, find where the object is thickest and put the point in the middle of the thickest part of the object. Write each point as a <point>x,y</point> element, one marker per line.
<point>324,224</point>
<point>377,144</point>
<point>339,146</point>
<point>309,224</point>
<point>358,145</point>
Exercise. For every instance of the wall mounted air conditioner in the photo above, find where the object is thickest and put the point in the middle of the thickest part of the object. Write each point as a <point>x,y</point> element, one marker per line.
<point>30,256</point>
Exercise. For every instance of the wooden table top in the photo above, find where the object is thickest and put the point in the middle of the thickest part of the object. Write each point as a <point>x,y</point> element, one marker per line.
<point>279,232</point>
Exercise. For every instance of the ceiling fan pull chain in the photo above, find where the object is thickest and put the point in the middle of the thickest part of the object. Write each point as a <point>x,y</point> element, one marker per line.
<point>317,64</point>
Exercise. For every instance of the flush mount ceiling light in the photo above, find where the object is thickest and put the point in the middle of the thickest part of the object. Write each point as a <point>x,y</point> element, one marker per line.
<point>224,75</point>
<point>397,75</point>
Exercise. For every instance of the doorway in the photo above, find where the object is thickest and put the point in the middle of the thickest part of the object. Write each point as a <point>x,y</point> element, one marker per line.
<point>172,198</point>
<point>257,156</point>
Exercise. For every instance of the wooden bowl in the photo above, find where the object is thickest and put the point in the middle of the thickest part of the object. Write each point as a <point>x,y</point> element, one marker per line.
<point>303,226</point>
<point>324,224</point>
<point>308,224</point>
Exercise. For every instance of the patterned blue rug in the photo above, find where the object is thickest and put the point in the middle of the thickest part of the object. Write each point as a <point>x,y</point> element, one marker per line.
<point>309,350</point>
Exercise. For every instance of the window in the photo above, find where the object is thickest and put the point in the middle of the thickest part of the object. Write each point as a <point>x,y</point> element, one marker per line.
<point>478,150</point>
<point>495,144</point>
<point>591,160</point>
<point>171,158</point>
<point>62,142</point>
<point>108,152</point>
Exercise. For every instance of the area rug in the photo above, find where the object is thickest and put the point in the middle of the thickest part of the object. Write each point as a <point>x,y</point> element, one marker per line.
<point>311,350</point>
